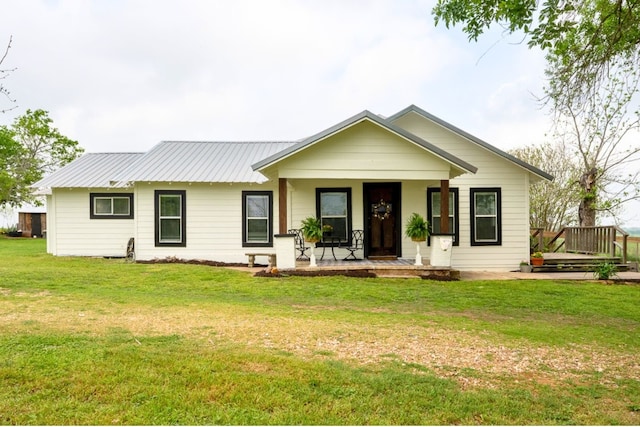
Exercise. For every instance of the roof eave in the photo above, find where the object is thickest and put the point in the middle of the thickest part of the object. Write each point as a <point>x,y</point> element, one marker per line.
<point>530,168</point>
<point>364,115</point>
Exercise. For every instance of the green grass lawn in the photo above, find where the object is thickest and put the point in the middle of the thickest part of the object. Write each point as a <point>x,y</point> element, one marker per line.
<point>97,341</point>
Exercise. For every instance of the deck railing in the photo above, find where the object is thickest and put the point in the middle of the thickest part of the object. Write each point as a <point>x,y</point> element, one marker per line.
<point>584,240</point>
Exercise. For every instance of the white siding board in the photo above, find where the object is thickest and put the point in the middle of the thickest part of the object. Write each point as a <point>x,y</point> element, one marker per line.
<point>75,234</point>
<point>493,171</point>
<point>214,222</point>
<point>364,151</point>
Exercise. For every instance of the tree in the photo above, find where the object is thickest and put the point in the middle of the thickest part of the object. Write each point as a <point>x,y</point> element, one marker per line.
<point>552,204</point>
<point>29,149</point>
<point>601,131</point>
<point>4,73</point>
<point>592,51</point>
<point>582,38</point>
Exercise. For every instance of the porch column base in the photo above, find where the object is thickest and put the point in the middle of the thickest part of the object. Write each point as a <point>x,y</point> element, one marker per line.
<point>285,247</point>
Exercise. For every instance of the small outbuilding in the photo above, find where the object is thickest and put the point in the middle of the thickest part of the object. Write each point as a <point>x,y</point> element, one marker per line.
<point>33,222</point>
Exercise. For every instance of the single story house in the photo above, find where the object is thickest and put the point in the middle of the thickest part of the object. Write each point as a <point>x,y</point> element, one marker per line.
<point>219,200</point>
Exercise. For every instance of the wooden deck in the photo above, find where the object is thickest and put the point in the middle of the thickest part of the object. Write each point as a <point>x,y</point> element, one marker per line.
<point>568,262</point>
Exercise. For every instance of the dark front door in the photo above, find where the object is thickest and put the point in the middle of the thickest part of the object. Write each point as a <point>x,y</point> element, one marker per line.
<point>382,220</point>
<point>36,225</point>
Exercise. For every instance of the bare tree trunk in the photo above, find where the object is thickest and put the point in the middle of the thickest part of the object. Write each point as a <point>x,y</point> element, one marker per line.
<point>587,210</point>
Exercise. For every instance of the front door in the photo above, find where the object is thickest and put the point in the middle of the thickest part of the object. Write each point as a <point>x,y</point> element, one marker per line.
<point>382,220</point>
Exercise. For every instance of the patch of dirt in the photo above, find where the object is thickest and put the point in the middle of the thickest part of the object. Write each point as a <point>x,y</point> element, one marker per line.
<point>472,359</point>
<point>175,260</point>
<point>318,273</point>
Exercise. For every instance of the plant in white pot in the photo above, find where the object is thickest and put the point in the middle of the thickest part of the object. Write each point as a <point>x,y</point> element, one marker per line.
<point>312,232</point>
<point>417,229</point>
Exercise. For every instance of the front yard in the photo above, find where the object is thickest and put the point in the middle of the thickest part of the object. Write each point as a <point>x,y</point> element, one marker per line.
<point>95,341</point>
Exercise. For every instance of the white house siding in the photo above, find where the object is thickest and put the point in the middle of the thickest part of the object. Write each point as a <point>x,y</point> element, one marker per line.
<point>51,224</point>
<point>493,171</point>
<point>71,232</point>
<point>214,221</point>
<point>364,151</point>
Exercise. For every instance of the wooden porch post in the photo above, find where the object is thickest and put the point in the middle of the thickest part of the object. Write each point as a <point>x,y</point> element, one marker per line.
<point>282,205</point>
<point>444,206</point>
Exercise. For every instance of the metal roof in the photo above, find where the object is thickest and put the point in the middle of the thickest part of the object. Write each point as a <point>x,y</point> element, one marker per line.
<point>92,170</point>
<point>228,162</point>
<point>486,145</point>
<point>200,161</point>
<point>366,115</point>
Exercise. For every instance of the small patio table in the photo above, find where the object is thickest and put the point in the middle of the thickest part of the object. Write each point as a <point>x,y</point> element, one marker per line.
<point>330,240</point>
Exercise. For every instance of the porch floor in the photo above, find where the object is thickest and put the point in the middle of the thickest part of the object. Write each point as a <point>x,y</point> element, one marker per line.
<point>401,267</point>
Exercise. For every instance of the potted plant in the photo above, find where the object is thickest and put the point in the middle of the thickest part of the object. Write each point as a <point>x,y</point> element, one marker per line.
<point>312,232</point>
<point>605,270</point>
<point>417,229</point>
<point>525,267</point>
<point>537,259</point>
<point>327,230</point>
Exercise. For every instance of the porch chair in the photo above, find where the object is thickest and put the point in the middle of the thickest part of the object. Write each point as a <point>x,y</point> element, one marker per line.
<point>300,244</point>
<point>357,244</point>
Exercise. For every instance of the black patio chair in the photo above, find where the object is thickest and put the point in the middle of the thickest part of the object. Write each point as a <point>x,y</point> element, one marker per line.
<point>357,244</point>
<point>300,244</point>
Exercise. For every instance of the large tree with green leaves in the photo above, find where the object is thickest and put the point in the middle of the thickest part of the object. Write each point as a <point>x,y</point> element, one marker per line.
<point>592,50</point>
<point>29,149</point>
<point>582,38</point>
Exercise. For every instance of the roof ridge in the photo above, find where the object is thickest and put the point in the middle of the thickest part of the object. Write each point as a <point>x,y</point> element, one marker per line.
<point>229,142</point>
<point>115,152</point>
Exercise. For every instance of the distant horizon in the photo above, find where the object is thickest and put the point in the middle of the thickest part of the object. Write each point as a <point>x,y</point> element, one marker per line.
<point>633,231</point>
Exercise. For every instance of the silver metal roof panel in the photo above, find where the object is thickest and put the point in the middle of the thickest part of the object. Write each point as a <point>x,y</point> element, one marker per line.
<point>91,170</point>
<point>200,161</point>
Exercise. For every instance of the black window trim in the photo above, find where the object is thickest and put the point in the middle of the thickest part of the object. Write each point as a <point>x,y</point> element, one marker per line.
<point>183,217</point>
<point>93,196</point>
<point>269,243</point>
<point>456,213</point>
<point>346,190</point>
<point>472,193</point>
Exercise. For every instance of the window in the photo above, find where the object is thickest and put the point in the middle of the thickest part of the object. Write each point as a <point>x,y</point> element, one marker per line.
<point>170,215</point>
<point>257,214</point>
<point>333,207</point>
<point>433,208</point>
<point>486,222</point>
<point>111,205</point>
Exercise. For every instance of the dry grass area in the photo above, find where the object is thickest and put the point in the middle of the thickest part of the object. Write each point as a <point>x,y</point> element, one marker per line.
<point>470,358</point>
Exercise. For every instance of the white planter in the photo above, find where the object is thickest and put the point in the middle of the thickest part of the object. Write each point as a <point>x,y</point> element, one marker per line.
<point>441,246</point>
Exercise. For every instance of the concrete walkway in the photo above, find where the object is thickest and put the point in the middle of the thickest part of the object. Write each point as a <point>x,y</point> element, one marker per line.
<point>516,275</point>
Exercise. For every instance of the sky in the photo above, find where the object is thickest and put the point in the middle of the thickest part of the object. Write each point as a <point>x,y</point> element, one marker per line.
<point>119,75</point>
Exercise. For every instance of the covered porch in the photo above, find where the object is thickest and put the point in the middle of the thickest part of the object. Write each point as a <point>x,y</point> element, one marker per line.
<point>362,174</point>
